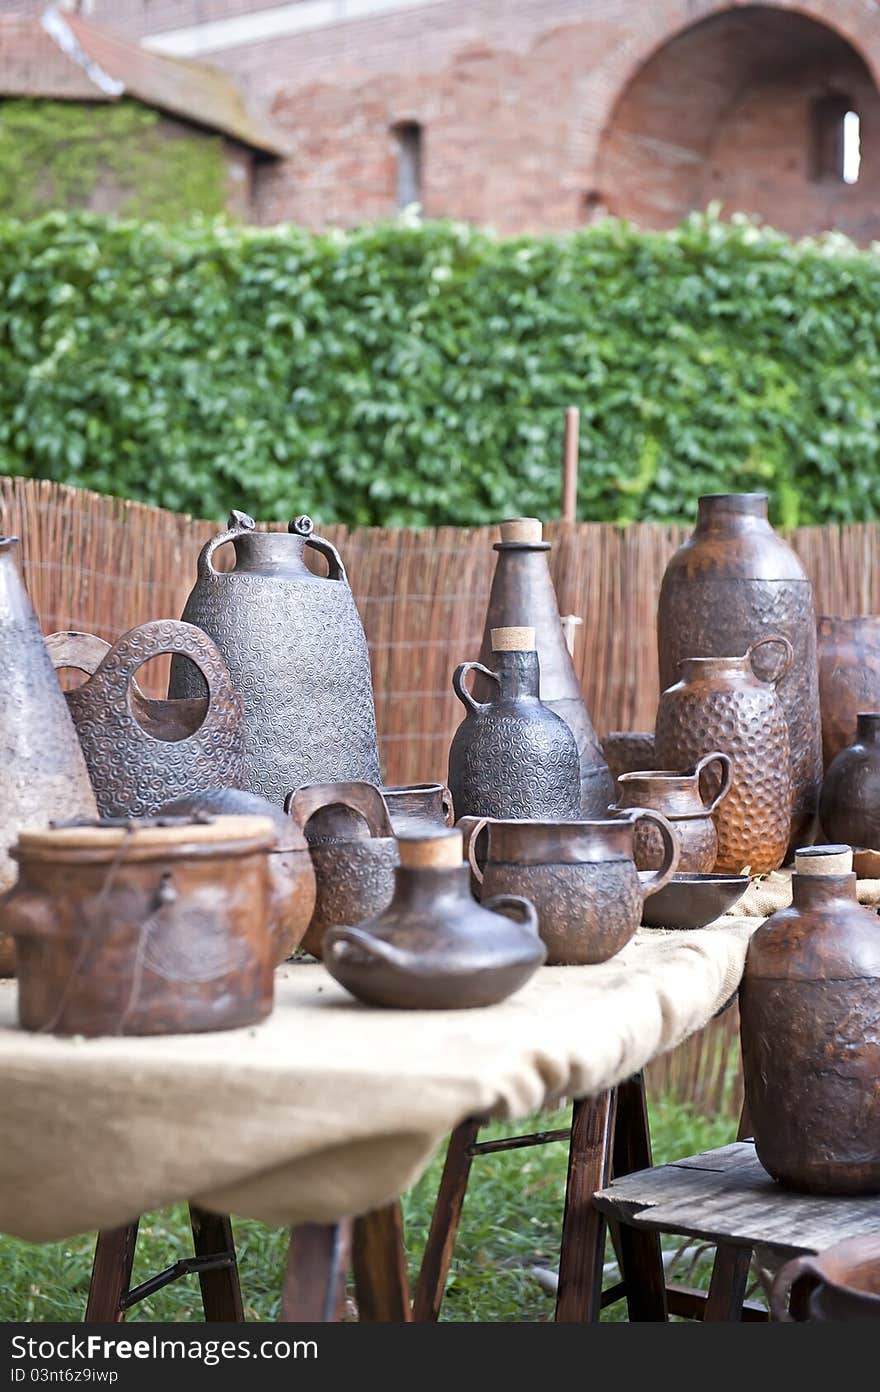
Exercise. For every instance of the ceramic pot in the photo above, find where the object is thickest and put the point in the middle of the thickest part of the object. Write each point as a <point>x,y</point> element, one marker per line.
<point>721,703</point>
<point>418,806</point>
<point>628,751</point>
<point>141,928</point>
<point>291,873</point>
<point>580,876</point>
<point>849,677</point>
<point>849,805</point>
<point>522,596</point>
<point>295,647</point>
<point>680,798</point>
<point>841,1283</point>
<point>733,582</point>
<point>512,756</point>
<point>354,853</point>
<point>433,947</point>
<point>141,753</point>
<point>810,1027</point>
<point>44,772</point>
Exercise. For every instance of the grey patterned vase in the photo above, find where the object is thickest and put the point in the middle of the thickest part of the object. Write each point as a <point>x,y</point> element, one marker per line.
<point>512,756</point>
<point>295,646</point>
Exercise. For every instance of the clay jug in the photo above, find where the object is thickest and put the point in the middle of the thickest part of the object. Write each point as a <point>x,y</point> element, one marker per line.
<point>522,596</point>
<point>809,1015</point>
<point>44,772</point>
<point>139,752</point>
<point>735,581</point>
<point>295,646</point>
<point>849,804</point>
<point>434,947</point>
<point>841,1283</point>
<point>416,807</point>
<point>849,677</point>
<point>679,796</point>
<point>512,756</point>
<point>722,704</point>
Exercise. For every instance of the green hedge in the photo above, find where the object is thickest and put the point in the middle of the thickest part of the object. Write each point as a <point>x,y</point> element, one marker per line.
<point>412,375</point>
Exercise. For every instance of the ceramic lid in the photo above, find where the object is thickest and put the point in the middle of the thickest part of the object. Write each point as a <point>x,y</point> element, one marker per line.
<point>148,837</point>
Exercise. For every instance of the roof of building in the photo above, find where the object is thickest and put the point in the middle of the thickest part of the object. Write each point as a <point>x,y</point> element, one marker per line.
<point>62,55</point>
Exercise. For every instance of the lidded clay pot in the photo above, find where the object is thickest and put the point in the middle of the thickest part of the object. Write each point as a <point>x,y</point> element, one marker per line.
<point>849,804</point>
<point>679,797</point>
<point>809,1015</point>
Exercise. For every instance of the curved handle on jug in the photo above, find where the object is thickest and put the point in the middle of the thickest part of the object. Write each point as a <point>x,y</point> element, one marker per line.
<point>363,798</point>
<point>172,636</point>
<point>524,911</point>
<point>726,775</point>
<point>84,652</point>
<point>325,548</point>
<point>781,640</point>
<point>356,944</point>
<point>470,828</point>
<point>468,700</point>
<point>447,805</point>
<point>657,879</point>
<point>238,523</point>
<point>797,1278</point>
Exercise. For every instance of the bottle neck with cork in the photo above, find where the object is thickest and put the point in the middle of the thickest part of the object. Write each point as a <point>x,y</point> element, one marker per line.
<point>515,663</point>
<point>822,874</point>
<point>430,865</point>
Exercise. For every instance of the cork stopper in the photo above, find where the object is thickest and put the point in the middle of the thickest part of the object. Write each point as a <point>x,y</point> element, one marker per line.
<point>513,639</point>
<point>431,852</point>
<point>824,860</point>
<point>527,529</point>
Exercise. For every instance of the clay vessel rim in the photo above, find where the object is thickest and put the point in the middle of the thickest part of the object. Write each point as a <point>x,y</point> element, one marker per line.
<point>412,788</point>
<point>710,877</point>
<point>669,776</point>
<point>248,832</point>
<point>522,545</point>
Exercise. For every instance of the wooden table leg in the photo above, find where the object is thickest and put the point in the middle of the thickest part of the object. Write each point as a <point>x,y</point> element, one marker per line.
<point>638,1251</point>
<point>582,1255</point>
<point>727,1289</point>
<point>317,1265</point>
<point>221,1291</point>
<point>111,1274</point>
<point>437,1256</point>
<point>378,1258</point>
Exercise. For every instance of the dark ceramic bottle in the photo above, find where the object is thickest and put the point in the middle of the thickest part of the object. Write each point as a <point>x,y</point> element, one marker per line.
<point>733,582</point>
<point>849,677</point>
<point>849,805</point>
<point>512,756</point>
<point>810,1029</point>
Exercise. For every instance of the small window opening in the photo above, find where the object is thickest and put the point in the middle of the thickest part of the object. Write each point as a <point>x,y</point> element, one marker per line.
<point>835,139</point>
<point>408,135</point>
<point>852,151</point>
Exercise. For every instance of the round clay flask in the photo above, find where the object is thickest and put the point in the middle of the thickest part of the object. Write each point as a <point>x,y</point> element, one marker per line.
<point>849,804</point>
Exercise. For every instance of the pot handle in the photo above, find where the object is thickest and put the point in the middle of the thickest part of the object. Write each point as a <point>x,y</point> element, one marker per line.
<point>470,828</point>
<point>462,692</point>
<point>652,882</point>
<point>302,526</point>
<point>173,636</point>
<point>726,775</point>
<point>524,911</point>
<point>781,640</point>
<point>448,805</point>
<point>338,943</point>
<point>802,1273</point>
<point>84,652</point>
<point>237,524</point>
<point>363,798</point>
<point>23,914</point>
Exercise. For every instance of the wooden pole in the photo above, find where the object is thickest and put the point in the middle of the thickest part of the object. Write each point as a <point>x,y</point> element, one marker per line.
<point>570,463</point>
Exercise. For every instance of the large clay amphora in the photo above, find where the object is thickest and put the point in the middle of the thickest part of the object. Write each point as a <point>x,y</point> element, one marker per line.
<point>44,772</point>
<point>735,581</point>
<point>295,647</point>
<point>522,595</point>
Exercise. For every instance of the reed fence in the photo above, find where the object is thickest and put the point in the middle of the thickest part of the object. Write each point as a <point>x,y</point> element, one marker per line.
<point>102,565</point>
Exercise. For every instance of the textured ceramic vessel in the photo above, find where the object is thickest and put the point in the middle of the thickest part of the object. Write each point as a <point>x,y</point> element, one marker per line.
<point>44,772</point>
<point>140,753</point>
<point>295,647</point>
<point>849,677</point>
<point>840,1284</point>
<point>810,1028</point>
<point>849,804</point>
<point>417,807</point>
<point>735,581</point>
<point>434,947</point>
<point>679,796</point>
<point>512,756</point>
<point>628,751</point>
<point>522,596</point>
<point>136,928</point>
<point>720,703</point>
<point>580,876</point>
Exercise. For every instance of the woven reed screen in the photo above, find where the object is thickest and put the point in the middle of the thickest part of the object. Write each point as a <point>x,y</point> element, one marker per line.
<point>102,565</point>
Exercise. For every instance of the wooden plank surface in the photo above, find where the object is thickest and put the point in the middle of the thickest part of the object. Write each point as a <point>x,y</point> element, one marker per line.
<point>726,1195</point>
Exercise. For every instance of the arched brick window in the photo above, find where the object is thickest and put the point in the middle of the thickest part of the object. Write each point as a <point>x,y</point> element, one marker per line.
<point>834,138</point>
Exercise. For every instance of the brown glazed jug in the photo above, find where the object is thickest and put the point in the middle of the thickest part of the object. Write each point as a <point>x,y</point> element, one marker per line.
<point>849,677</point>
<point>849,804</point>
<point>44,772</point>
<point>522,596</point>
<point>139,752</point>
<point>679,797</point>
<point>434,947</point>
<point>841,1283</point>
<point>580,876</point>
<point>720,703</point>
<point>810,1031</point>
<point>512,756</point>
<point>295,646</point>
<point>142,928</point>
<point>735,581</point>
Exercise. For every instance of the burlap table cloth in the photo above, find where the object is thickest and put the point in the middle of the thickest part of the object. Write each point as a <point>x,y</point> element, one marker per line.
<point>329,1108</point>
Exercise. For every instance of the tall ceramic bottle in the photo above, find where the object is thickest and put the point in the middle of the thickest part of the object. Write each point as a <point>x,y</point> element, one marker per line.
<point>522,595</point>
<point>295,648</point>
<point>44,772</point>
<point>735,581</point>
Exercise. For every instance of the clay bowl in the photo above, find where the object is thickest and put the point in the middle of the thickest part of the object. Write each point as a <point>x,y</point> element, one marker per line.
<point>692,901</point>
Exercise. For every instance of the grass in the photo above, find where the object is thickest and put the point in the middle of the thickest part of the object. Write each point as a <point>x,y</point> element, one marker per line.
<point>510,1224</point>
